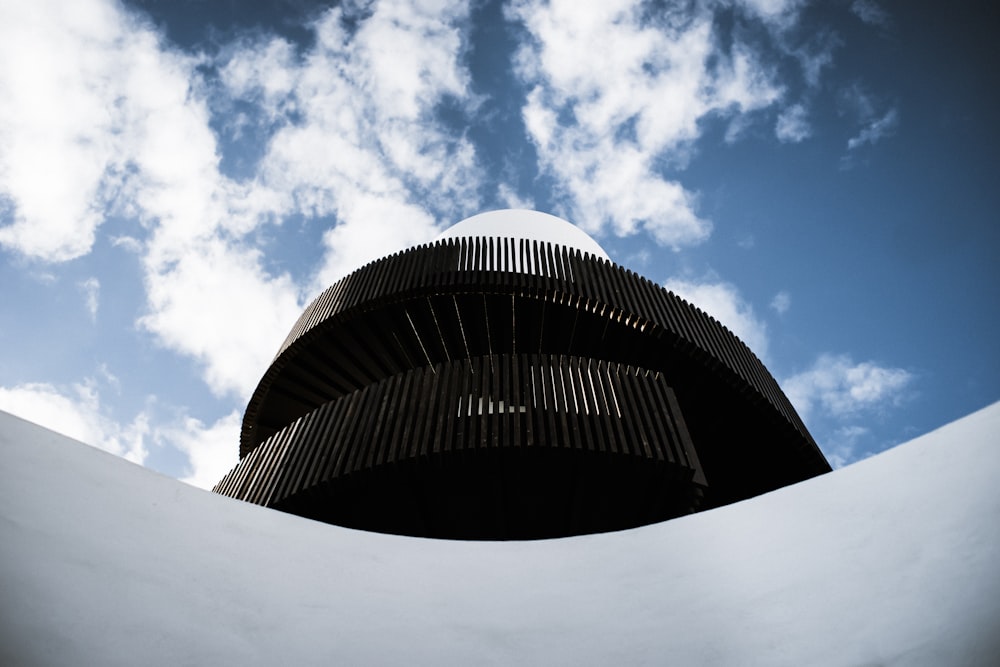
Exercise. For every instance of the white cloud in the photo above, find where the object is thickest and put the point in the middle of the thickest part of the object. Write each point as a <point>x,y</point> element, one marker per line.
<point>372,229</point>
<point>128,243</point>
<point>605,120</point>
<point>99,114</point>
<point>76,412</point>
<point>357,138</point>
<point>62,104</point>
<point>841,447</point>
<point>870,12</point>
<point>110,379</point>
<point>509,198</point>
<point>855,100</point>
<point>212,451</point>
<point>208,294</point>
<point>360,138</point>
<point>723,302</point>
<point>793,124</point>
<point>781,302</point>
<point>816,54</point>
<point>838,387</point>
<point>876,117</point>
<point>91,288</point>
<point>779,13</point>
<point>217,305</point>
<point>875,130</point>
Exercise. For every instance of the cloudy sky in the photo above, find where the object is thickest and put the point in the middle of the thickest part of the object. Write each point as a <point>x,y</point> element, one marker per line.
<point>179,179</point>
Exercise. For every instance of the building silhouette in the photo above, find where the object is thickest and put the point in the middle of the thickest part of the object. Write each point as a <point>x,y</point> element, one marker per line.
<point>509,382</point>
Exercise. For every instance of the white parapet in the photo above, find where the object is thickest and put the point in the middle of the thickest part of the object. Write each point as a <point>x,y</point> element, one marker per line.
<point>890,561</point>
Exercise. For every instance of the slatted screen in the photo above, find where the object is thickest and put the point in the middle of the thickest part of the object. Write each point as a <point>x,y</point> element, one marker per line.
<point>502,388</point>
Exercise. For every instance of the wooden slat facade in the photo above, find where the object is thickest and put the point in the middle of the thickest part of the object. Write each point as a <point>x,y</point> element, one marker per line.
<point>391,380</point>
<point>460,266</point>
<point>636,449</point>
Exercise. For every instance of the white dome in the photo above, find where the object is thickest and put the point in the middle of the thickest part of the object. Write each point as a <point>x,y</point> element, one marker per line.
<point>525,224</point>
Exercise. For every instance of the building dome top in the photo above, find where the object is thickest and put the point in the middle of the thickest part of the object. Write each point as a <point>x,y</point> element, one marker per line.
<point>525,224</point>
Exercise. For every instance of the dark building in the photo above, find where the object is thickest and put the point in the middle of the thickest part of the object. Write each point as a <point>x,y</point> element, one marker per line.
<point>497,385</point>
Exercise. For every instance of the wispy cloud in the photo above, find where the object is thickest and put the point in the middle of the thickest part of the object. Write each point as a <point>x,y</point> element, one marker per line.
<point>841,447</point>
<point>359,134</point>
<point>75,411</point>
<point>875,130</point>
<point>816,55</point>
<point>61,155</point>
<point>353,140</point>
<point>216,304</point>
<point>793,124</point>
<point>780,14</point>
<point>870,12</point>
<point>211,449</point>
<point>137,143</point>
<point>837,386</point>
<point>605,120</point>
<point>840,400</point>
<point>508,197</point>
<point>91,288</point>
<point>781,302</point>
<point>875,117</point>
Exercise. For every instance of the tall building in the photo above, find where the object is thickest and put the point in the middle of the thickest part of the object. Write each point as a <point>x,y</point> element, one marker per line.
<point>508,381</point>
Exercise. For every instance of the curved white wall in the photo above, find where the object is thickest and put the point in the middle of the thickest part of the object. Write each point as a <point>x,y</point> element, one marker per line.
<point>890,561</point>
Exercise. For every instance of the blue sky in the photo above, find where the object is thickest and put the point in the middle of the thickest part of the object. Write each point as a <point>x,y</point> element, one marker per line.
<point>178,179</point>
